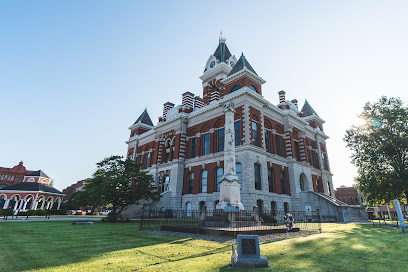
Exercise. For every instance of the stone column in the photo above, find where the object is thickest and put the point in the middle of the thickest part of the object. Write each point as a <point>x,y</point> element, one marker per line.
<point>20,207</point>
<point>42,205</point>
<point>59,204</point>
<point>230,194</point>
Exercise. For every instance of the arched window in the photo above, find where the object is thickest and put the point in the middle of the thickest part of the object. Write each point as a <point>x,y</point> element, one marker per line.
<point>235,88</point>
<point>219,173</point>
<point>257,174</point>
<point>220,140</point>
<point>238,168</point>
<point>286,207</point>
<point>330,193</point>
<point>252,87</point>
<point>283,182</point>
<point>202,206</point>
<point>193,147</point>
<point>271,180</point>
<point>216,203</point>
<point>259,203</point>
<point>273,208</point>
<point>147,164</point>
<point>190,182</point>
<point>204,181</point>
<point>278,140</point>
<point>255,133</point>
<point>302,183</point>
<point>237,128</point>
<point>268,141</point>
<point>206,144</point>
<point>318,185</point>
<point>188,209</point>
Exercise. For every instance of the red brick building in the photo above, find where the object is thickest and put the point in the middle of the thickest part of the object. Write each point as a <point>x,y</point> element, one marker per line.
<point>281,154</point>
<point>70,190</point>
<point>349,195</point>
<point>25,190</point>
<point>11,176</point>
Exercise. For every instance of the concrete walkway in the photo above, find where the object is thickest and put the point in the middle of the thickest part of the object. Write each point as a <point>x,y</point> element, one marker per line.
<point>52,218</point>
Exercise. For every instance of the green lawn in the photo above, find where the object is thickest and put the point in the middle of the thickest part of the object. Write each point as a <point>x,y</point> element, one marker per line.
<point>60,246</point>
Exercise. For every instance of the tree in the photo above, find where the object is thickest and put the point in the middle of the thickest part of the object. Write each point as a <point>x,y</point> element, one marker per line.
<point>380,151</point>
<point>116,184</point>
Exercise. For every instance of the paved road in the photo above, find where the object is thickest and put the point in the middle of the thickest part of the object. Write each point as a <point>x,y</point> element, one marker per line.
<point>55,218</point>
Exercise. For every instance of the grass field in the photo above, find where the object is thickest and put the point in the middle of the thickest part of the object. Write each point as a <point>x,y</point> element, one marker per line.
<point>61,246</point>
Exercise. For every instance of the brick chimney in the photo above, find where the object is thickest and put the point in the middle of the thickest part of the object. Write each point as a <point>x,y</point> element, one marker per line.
<point>282,97</point>
<point>198,102</point>
<point>295,102</point>
<point>166,107</point>
<point>188,100</point>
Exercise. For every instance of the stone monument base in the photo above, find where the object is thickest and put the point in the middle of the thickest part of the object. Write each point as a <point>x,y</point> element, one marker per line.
<point>262,262</point>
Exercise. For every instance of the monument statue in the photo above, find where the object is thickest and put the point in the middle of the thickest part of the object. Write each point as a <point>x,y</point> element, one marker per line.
<point>230,194</point>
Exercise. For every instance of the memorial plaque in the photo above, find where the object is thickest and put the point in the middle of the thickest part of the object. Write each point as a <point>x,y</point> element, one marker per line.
<point>248,247</point>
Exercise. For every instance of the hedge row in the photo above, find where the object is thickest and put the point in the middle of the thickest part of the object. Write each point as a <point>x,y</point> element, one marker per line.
<point>9,212</point>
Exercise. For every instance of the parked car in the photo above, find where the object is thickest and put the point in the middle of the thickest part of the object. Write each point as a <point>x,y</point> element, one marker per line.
<point>79,212</point>
<point>104,213</point>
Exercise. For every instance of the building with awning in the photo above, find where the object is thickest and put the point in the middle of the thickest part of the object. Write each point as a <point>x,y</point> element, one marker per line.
<point>31,194</point>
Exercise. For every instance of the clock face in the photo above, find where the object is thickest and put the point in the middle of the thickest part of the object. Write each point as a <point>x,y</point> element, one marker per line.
<point>212,64</point>
<point>232,64</point>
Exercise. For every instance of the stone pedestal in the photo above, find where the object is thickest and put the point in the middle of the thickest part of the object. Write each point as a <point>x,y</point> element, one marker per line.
<point>249,253</point>
<point>230,194</point>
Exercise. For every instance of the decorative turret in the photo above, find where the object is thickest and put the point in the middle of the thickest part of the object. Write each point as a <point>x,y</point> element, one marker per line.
<point>242,75</point>
<point>311,116</point>
<point>217,67</point>
<point>141,125</point>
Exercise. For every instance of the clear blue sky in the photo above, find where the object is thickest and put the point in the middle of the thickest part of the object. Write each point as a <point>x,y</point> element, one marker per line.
<point>74,75</point>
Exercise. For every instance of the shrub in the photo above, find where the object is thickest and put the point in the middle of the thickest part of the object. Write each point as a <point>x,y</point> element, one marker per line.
<point>41,212</point>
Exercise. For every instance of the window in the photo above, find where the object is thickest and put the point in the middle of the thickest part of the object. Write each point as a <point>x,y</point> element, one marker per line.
<point>297,150</point>
<point>283,182</point>
<point>238,168</point>
<point>325,164</point>
<point>237,128</point>
<point>278,144</point>
<point>218,178</point>
<point>147,160</point>
<point>318,185</point>
<point>193,150</point>
<point>273,208</point>
<point>255,133</point>
<point>315,159</point>
<point>257,170</point>
<point>268,140</point>
<point>190,182</point>
<point>206,144</point>
<point>271,180</point>
<point>220,140</point>
<point>164,184</point>
<point>202,206</point>
<point>330,193</point>
<point>235,88</point>
<point>286,207</point>
<point>259,203</point>
<point>302,183</point>
<point>252,87</point>
<point>204,181</point>
<point>140,158</point>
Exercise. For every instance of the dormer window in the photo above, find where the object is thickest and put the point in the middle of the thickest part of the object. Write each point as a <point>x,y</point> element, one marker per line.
<point>252,87</point>
<point>235,88</point>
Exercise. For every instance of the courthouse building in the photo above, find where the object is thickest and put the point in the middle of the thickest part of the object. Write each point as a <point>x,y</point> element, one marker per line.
<point>282,160</point>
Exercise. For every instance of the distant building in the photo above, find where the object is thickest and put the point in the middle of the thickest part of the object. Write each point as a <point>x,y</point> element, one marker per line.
<point>10,176</point>
<point>349,195</point>
<point>28,190</point>
<point>70,190</point>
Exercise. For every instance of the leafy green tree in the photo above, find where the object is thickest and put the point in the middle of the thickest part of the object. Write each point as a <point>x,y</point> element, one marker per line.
<point>116,184</point>
<point>380,151</point>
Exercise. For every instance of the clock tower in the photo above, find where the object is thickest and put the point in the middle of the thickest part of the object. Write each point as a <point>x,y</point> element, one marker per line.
<point>217,68</point>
